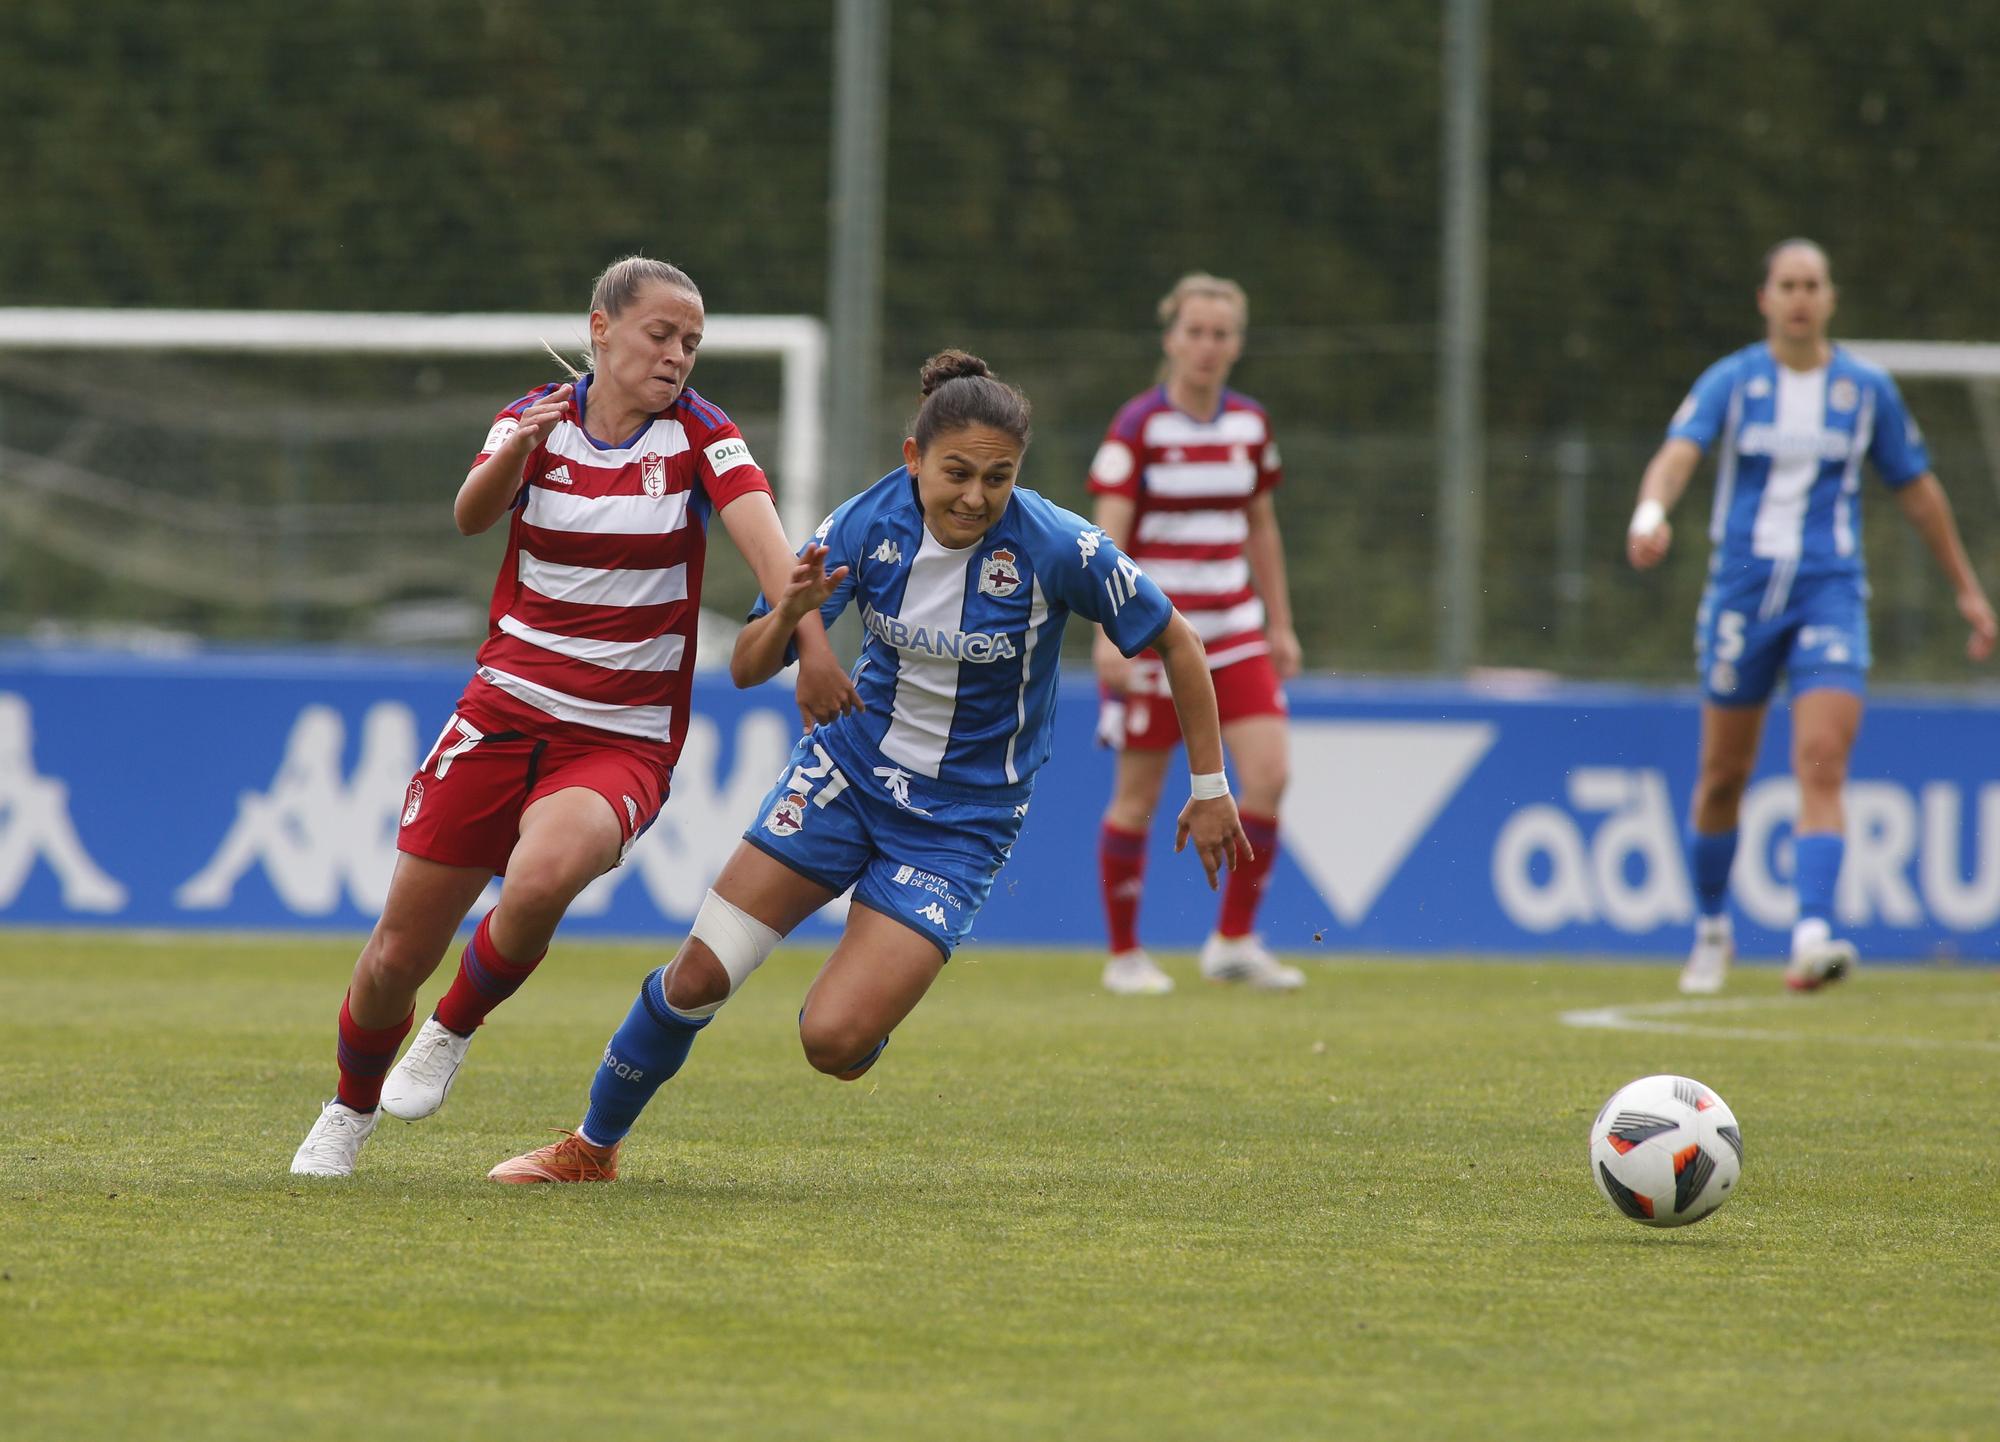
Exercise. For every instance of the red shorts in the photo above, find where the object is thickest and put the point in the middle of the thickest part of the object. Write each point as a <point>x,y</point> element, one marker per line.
<point>1243,689</point>
<point>464,804</point>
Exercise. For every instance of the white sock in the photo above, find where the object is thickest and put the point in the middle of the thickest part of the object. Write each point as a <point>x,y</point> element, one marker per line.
<point>1710,930</point>
<point>1810,934</point>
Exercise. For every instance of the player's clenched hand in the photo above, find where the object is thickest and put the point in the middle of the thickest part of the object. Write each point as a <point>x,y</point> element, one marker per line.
<point>1287,656</point>
<point>1114,667</point>
<point>1978,614</point>
<point>540,418</point>
<point>1646,549</point>
<point>824,690</point>
<point>1217,833</point>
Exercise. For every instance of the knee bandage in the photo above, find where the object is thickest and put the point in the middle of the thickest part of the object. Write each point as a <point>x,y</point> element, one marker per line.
<point>738,940</point>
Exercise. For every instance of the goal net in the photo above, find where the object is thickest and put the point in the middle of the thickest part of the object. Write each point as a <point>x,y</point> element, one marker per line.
<point>283,476</point>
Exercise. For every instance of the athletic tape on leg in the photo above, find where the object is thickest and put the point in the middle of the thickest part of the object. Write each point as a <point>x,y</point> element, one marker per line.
<point>736,938</point>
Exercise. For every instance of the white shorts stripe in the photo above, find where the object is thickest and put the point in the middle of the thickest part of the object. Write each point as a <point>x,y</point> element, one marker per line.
<point>1193,528</point>
<point>605,515</point>
<point>590,586</point>
<point>652,722</point>
<point>662,653</point>
<point>1198,578</point>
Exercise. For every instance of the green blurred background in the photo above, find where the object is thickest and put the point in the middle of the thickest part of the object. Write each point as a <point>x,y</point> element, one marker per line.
<point>1052,166</point>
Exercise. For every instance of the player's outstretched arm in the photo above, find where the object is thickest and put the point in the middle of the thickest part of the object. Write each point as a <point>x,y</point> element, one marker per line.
<point>761,645</point>
<point>489,488</point>
<point>1667,475</point>
<point>824,690</point>
<point>1929,510</point>
<point>1209,819</point>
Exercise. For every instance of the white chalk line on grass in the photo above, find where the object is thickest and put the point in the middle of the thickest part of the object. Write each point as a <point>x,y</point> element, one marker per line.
<point>1658,1016</point>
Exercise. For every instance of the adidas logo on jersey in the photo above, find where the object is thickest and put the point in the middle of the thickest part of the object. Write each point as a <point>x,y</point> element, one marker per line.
<point>888,553</point>
<point>934,914</point>
<point>558,477</point>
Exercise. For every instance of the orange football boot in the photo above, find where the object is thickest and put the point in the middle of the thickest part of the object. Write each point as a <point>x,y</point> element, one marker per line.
<point>570,1160</point>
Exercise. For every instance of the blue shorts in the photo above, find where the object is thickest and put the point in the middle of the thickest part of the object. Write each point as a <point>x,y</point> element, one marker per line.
<point>1815,630</point>
<point>909,850</point>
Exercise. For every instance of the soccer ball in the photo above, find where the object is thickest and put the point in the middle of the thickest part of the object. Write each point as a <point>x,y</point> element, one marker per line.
<point>1666,1151</point>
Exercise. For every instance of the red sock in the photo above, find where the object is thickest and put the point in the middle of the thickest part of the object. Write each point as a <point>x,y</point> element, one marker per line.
<point>1243,893</point>
<point>485,979</point>
<point>1121,862</point>
<point>365,1055</point>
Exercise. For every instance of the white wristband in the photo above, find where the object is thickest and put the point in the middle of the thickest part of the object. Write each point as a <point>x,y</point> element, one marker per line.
<point>1648,517</point>
<point>1206,786</point>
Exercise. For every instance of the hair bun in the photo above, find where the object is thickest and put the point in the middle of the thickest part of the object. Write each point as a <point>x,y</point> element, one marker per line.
<point>949,365</point>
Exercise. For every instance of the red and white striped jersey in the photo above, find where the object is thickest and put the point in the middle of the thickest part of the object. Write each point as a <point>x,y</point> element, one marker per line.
<point>1192,482</point>
<point>594,611</point>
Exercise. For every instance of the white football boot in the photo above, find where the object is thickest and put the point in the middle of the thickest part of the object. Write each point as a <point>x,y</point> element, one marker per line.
<point>1708,963</point>
<point>1133,973</point>
<point>1818,956</point>
<point>420,1082</point>
<point>1243,960</point>
<point>334,1142</point>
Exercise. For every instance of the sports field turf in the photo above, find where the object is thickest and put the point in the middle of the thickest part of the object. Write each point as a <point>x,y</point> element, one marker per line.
<point>1360,1211</point>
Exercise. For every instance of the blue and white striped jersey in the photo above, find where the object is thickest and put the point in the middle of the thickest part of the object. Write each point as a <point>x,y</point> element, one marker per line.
<point>1788,474</point>
<point>959,667</point>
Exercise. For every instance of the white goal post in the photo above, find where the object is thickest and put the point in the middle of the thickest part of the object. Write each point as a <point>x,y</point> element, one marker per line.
<point>797,342</point>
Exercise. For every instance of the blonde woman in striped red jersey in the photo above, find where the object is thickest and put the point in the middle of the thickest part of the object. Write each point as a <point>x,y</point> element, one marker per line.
<point>1184,482</point>
<point>561,750</point>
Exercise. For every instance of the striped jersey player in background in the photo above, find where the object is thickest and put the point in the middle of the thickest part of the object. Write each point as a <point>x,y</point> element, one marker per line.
<point>964,581</point>
<point>1184,482</point>
<point>1791,419</point>
<point>561,750</point>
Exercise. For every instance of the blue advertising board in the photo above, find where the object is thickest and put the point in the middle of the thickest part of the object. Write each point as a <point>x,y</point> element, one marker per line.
<point>263,792</point>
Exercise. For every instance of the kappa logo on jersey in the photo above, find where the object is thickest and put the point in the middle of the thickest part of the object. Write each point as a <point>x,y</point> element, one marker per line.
<point>1087,543</point>
<point>558,477</point>
<point>929,881</point>
<point>727,454</point>
<point>825,529</point>
<point>998,576</point>
<point>1832,638</point>
<point>888,553</point>
<point>788,817</point>
<point>1687,410</point>
<point>1758,388</point>
<point>415,801</point>
<point>653,475</point>
<point>1843,395</point>
<point>896,781</point>
<point>497,437</point>
<point>934,914</point>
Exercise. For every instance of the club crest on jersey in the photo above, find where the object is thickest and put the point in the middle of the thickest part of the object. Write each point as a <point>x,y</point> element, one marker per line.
<point>788,817</point>
<point>998,575</point>
<point>414,802</point>
<point>653,475</point>
<point>1843,395</point>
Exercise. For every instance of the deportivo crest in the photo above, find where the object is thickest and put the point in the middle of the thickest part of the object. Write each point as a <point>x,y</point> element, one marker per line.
<point>1843,395</point>
<point>788,817</point>
<point>998,576</point>
<point>414,801</point>
<point>653,475</point>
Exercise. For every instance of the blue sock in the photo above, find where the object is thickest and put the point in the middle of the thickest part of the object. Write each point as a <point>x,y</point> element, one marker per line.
<point>641,1057</point>
<point>1818,857</point>
<point>1709,860</point>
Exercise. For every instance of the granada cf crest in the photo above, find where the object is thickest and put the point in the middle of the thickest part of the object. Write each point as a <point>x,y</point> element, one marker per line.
<point>414,801</point>
<point>998,575</point>
<point>653,475</point>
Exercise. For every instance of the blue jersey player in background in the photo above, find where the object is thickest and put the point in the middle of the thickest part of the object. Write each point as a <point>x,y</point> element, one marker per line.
<point>1790,419</point>
<point>914,796</point>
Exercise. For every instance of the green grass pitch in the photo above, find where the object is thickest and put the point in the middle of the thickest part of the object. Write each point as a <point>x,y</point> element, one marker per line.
<point>1360,1211</point>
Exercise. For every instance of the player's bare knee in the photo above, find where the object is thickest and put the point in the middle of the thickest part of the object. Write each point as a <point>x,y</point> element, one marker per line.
<point>695,980</point>
<point>397,960</point>
<point>1720,786</point>
<point>1821,762</point>
<point>835,1046</point>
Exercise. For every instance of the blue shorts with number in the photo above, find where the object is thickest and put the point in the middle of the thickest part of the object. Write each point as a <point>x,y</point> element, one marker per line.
<point>1815,630</point>
<point>913,849</point>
